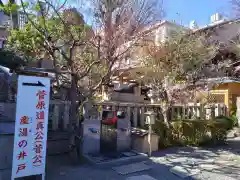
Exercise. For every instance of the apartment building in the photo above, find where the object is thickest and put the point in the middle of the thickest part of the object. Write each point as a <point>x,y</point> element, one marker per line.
<point>220,30</point>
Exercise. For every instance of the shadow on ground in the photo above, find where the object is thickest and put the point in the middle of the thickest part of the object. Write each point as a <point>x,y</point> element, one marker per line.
<point>203,163</point>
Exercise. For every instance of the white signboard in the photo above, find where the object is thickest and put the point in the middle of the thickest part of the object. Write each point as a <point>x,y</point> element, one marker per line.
<point>31,126</point>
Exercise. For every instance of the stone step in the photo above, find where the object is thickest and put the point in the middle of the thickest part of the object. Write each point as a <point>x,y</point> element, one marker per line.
<point>132,168</point>
<point>141,177</point>
<point>109,163</point>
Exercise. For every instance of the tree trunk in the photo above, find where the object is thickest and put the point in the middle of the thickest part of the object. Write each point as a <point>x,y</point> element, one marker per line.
<point>166,107</point>
<point>73,110</point>
<point>165,110</point>
<point>74,130</point>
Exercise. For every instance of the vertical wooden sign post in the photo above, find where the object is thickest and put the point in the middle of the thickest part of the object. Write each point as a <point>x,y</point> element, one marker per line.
<point>31,126</point>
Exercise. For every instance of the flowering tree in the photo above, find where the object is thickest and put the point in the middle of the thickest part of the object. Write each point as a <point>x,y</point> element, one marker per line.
<point>83,57</point>
<point>171,67</point>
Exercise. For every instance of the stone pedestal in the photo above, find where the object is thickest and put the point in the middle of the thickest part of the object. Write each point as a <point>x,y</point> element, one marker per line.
<point>91,136</point>
<point>123,134</point>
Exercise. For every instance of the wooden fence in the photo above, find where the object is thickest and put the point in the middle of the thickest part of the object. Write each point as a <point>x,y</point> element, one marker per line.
<point>59,112</point>
<point>198,111</point>
<point>135,111</point>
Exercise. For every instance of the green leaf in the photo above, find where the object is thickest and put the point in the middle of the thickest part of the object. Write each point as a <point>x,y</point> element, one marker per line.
<point>37,7</point>
<point>15,7</point>
<point>25,4</point>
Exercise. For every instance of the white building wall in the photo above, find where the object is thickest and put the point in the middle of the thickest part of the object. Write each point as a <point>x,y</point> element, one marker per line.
<point>227,32</point>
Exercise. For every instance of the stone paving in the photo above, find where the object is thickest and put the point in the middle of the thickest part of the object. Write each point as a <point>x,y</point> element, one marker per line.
<point>222,163</point>
<point>194,163</point>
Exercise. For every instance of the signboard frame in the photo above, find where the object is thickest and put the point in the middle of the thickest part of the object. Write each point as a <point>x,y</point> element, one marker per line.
<point>31,125</point>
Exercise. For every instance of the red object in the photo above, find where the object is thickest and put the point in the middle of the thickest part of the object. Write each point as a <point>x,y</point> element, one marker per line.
<point>21,155</point>
<point>21,167</point>
<point>40,105</point>
<point>41,94</point>
<point>40,115</point>
<point>24,120</point>
<point>111,120</point>
<point>23,132</point>
<point>40,126</point>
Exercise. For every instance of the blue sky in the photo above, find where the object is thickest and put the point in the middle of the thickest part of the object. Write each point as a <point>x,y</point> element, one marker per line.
<point>182,11</point>
<point>198,10</point>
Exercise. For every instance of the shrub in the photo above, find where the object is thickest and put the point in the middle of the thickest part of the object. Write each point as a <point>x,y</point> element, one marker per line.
<point>160,128</point>
<point>189,132</point>
<point>231,121</point>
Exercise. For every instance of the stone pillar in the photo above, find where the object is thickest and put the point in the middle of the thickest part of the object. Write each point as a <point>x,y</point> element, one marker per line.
<point>137,91</point>
<point>202,112</point>
<point>198,110</point>
<point>114,107</point>
<point>86,108</point>
<point>213,111</point>
<point>184,112</point>
<point>55,117</point>
<point>66,116</point>
<point>129,112</point>
<point>123,134</point>
<point>91,136</point>
<point>100,111</point>
<point>135,116</point>
<point>194,110</point>
<point>238,110</point>
<point>217,110</point>
<point>142,118</point>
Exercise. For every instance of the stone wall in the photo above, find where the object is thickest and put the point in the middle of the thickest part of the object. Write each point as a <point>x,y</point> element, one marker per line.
<point>8,110</point>
<point>6,144</point>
